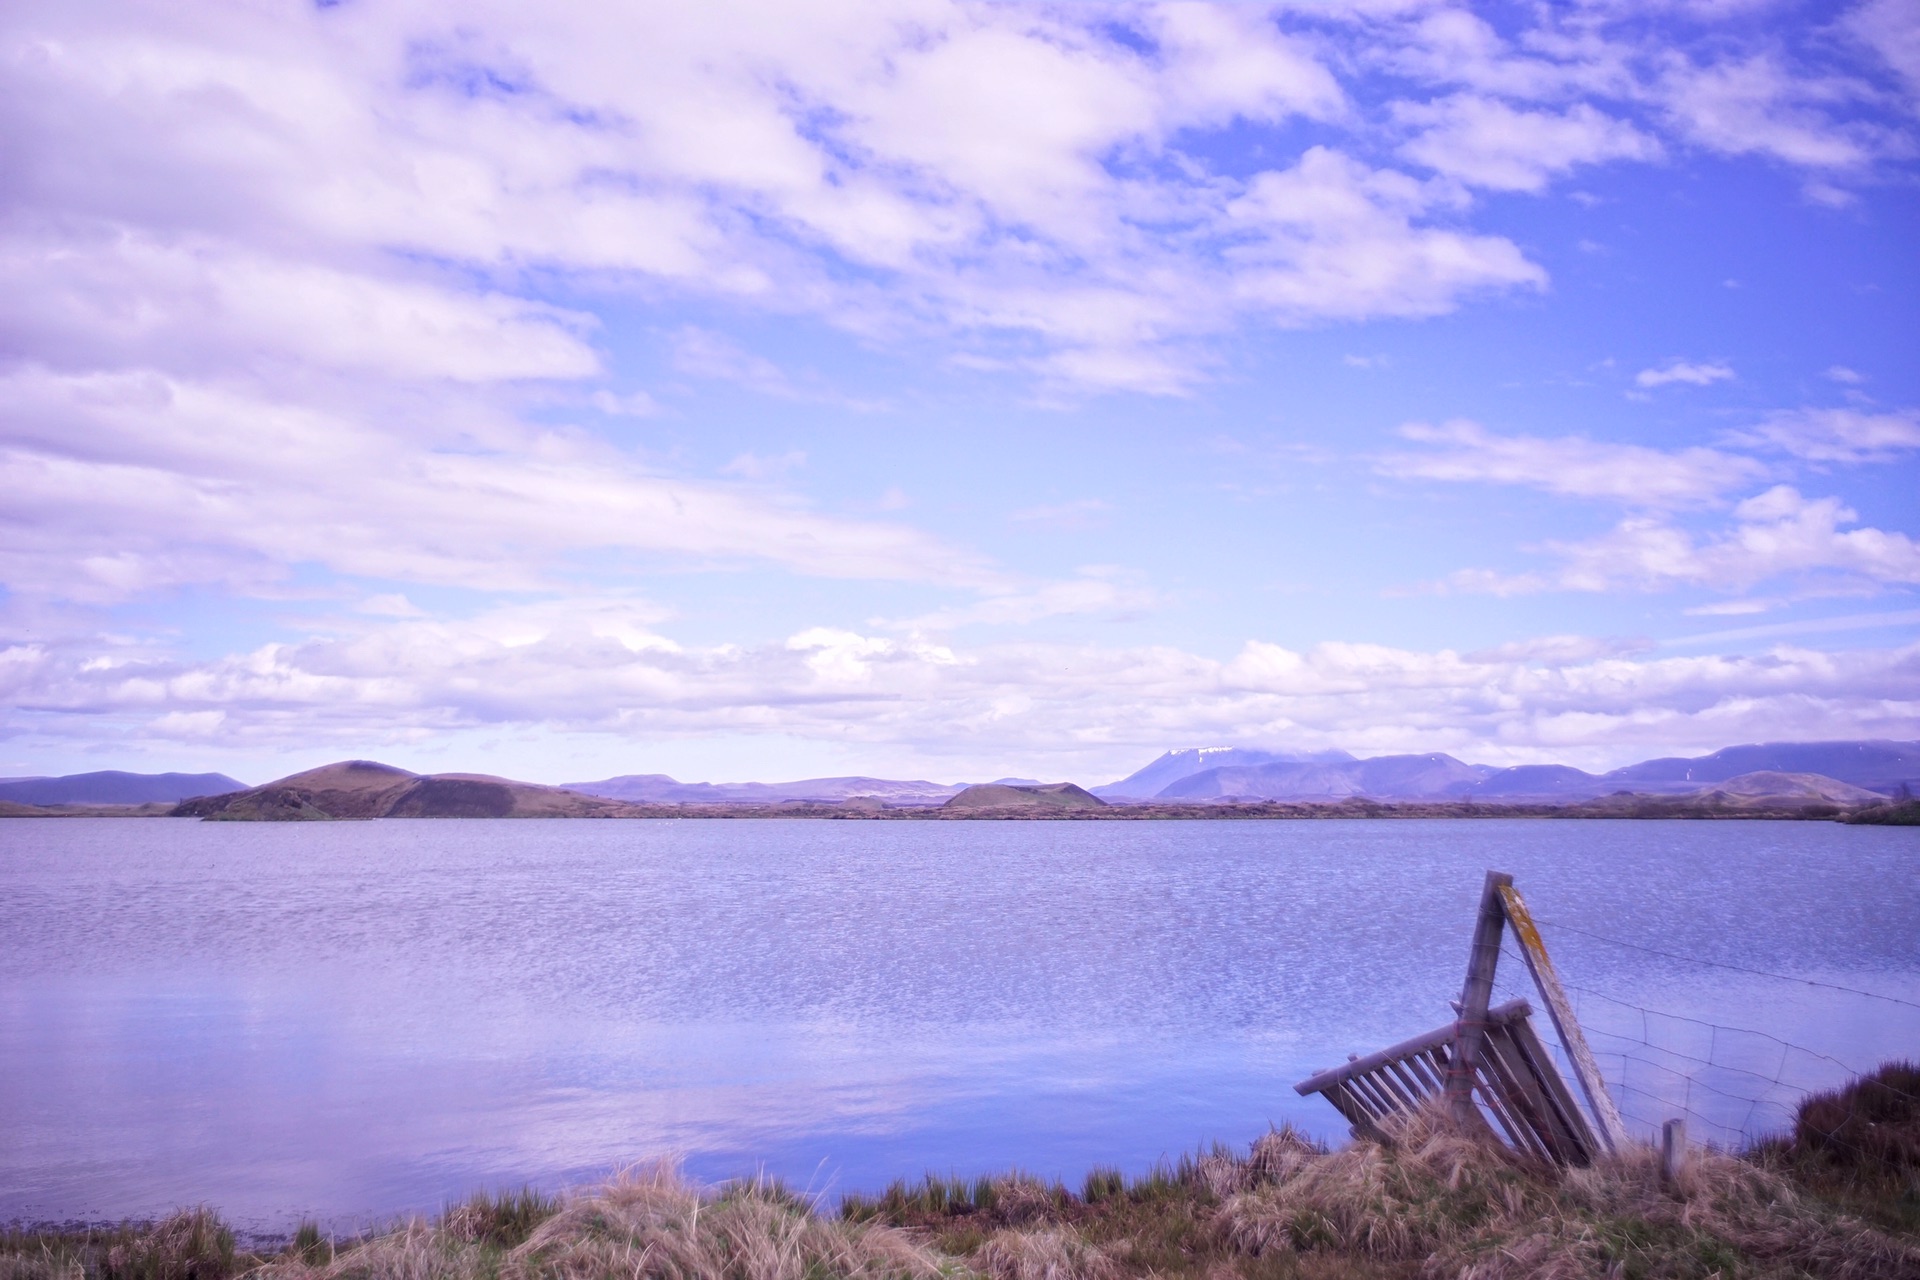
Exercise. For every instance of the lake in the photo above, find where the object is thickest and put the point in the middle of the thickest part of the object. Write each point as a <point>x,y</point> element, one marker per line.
<point>355,1020</point>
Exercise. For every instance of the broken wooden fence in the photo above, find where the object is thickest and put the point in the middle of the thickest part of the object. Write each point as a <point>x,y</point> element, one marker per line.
<point>1488,1062</point>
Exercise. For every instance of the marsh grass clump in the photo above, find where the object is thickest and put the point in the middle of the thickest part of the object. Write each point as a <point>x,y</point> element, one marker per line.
<point>651,1223</point>
<point>1871,1124</point>
<point>309,1245</point>
<point>1010,1199</point>
<point>1439,1203</point>
<point>503,1219</point>
<point>1859,1146</point>
<point>192,1244</point>
<point>1103,1183</point>
<point>1050,1253</point>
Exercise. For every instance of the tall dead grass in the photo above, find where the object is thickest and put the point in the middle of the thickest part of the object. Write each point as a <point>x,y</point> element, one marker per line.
<point>647,1223</point>
<point>191,1244</point>
<point>1462,1207</point>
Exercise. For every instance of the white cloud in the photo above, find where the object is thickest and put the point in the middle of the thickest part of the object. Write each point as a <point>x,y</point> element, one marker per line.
<point>1571,465</point>
<point>1452,46</point>
<point>1682,371</point>
<point>315,172</point>
<point>1891,28</point>
<point>1486,143</point>
<point>755,466</point>
<point>120,298</point>
<point>1091,711</point>
<point>1901,620</point>
<point>129,483</point>
<point>1835,435</point>
<point>702,353</point>
<point>1332,236</point>
<point>634,404</point>
<point>1758,105</point>
<point>1076,516</point>
<point>1778,534</point>
<point>1097,592</point>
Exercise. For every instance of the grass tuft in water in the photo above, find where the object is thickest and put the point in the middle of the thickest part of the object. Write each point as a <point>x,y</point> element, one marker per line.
<point>310,1246</point>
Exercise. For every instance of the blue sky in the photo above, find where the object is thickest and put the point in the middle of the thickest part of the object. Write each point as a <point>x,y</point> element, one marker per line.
<point>946,390</point>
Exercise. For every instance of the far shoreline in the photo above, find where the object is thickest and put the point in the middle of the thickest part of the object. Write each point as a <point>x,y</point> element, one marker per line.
<point>1630,807</point>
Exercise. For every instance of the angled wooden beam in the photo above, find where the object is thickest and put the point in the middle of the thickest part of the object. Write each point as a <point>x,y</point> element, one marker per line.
<point>1474,994</point>
<point>1612,1131</point>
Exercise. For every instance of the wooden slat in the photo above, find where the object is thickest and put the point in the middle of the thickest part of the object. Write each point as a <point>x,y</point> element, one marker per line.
<point>1402,1099</point>
<point>1489,1098</point>
<point>1384,1102</point>
<point>1421,1068</point>
<point>1541,1061</point>
<point>1513,1093</point>
<point>1356,1115</point>
<point>1414,1087</point>
<point>1437,1042</point>
<point>1378,1102</point>
<point>1529,1101</point>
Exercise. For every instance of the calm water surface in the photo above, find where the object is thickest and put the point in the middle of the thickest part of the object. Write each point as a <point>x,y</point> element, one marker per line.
<point>360,1019</point>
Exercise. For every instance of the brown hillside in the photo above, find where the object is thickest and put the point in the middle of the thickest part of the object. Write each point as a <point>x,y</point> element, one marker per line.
<point>362,789</point>
<point>1055,795</point>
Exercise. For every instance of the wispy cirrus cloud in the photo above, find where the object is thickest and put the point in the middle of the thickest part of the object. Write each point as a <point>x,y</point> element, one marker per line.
<point>1834,435</point>
<point>132,483</point>
<point>1573,466</point>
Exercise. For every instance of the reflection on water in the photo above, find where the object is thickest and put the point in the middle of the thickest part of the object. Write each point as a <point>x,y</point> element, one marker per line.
<point>356,1020</point>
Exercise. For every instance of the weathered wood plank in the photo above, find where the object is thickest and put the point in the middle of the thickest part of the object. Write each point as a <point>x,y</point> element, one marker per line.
<point>1482,959</point>
<point>1673,1152</point>
<point>1437,1043</point>
<point>1549,1075</point>
<point>1529,1101</point>
<point>1612,1131</point>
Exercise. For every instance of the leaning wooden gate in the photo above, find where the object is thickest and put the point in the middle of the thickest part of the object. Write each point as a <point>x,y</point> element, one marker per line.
<point>1489,1062</point>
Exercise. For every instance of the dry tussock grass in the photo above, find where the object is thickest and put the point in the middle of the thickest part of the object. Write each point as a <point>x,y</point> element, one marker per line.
<point>650,1223</point>
<point>1052,1253</point>
<point>1467,1209</point>
<point>44,1263</point>
<point>191,1244</point>
<point>647,1224</point>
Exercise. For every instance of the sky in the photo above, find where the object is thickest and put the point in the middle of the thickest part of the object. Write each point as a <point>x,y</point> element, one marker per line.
<point>754,390</point>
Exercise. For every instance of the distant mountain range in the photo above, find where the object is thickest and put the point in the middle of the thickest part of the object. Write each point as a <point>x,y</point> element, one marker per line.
<point>1189,761</point>
<point>1878,767</point>
<point>114,787</point>
<point>658,788</point>
<point>1846,773</point>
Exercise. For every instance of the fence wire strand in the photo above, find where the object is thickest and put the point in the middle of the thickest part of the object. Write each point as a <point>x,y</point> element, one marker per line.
<point>1738,1100</point>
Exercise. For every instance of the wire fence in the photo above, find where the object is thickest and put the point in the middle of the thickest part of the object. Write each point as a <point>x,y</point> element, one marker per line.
<point>1735,1086</point>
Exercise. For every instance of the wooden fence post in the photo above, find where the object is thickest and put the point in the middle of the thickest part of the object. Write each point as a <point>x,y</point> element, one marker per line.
<point>1612,1130</point>
<point>1673,1152</point>
<point>1474,995</point>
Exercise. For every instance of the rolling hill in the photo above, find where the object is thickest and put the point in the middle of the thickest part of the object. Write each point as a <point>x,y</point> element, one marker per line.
<point>360,789</point>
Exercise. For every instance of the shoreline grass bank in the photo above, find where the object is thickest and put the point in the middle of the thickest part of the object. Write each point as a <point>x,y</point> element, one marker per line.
<point>1838,1197</point>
